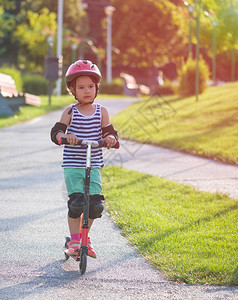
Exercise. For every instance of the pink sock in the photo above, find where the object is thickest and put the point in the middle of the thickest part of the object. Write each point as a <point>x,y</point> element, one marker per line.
<point>76,236</point>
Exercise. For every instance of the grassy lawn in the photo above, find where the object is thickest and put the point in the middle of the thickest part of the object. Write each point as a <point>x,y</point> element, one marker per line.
<point>29,112</point>
<point>208,128</point>
<point>190,236</point>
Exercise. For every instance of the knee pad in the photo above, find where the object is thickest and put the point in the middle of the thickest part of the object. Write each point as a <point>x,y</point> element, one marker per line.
<point>75,205</point>
<point>96,206</point>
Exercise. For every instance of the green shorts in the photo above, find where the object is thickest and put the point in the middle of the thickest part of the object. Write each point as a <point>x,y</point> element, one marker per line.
<point>75,178</point>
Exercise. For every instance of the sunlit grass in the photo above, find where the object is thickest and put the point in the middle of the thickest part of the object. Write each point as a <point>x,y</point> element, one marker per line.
<point>208,127</point>
<point>190,236</point>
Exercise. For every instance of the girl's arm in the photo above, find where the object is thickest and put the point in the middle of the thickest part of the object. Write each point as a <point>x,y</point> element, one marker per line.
<point>64,123</point>
<point>110,138</point>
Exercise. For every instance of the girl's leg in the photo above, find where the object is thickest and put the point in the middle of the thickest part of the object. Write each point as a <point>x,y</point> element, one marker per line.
<point>90,223</point>
<point>74,228</point>
<point>74,225</point>
<point>75,232</point>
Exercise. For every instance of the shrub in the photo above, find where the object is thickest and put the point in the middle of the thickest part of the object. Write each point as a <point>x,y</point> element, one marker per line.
<point>116,87</point>
<point>35,84</point>
<point>187,77</point>
<point>168,88</point>
<point>15,74</point>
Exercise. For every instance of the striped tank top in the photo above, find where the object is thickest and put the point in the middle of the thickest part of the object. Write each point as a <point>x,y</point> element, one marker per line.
<point>88,128</point>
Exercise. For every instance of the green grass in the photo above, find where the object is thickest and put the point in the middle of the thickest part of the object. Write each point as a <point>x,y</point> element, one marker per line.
<point>190,236</point>
<point>29,112</point>
<point>208,128</point>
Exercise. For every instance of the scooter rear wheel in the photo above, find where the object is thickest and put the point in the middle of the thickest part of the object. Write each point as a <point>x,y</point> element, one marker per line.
<point>83,263</point>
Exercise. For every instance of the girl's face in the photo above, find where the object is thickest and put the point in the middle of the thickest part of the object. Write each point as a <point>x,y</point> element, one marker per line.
<point>85,89</point>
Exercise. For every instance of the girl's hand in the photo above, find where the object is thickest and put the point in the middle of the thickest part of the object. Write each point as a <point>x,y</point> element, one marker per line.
<point>72,139</point>
<point>110,140</point>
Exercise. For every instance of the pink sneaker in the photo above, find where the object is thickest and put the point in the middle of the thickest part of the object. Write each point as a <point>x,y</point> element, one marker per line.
<point>91,251</point>
<point>73,247</point>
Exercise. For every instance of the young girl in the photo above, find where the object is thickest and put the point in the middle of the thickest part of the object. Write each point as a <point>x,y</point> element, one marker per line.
<point>84,120</point>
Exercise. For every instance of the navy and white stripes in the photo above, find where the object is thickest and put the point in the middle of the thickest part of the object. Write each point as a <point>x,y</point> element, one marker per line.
<point>84,127</point>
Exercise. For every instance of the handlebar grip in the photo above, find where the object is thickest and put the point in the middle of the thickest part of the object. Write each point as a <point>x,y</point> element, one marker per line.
<point>63,141</point>
<point>101,143</point>
<point>117,145</point>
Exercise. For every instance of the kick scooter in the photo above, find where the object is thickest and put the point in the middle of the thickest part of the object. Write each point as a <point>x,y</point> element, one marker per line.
<point>82,254</point>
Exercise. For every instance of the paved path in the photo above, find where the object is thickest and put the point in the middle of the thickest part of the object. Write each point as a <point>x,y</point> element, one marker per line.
<point>203,174</point>
<point>33,226</point>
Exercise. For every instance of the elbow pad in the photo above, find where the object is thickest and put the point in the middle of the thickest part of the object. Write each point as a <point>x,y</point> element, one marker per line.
<point>59,127</point>
<point>109,130</point>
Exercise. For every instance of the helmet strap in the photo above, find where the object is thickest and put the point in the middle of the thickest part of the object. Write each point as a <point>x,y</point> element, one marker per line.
<point>80,104</point>
<point>84,104</point>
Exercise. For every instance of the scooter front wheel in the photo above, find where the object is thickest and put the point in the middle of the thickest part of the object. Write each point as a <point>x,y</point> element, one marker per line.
<point>83,262</point>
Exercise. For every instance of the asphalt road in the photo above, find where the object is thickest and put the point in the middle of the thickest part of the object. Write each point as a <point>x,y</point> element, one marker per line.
<point>33,225</point>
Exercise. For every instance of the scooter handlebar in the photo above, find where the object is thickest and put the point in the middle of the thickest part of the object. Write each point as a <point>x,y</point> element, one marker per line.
<point>100,143</point>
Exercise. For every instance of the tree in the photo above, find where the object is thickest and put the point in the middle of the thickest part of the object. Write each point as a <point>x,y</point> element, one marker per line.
<point>96,12</point>
<point>75,21</point>
<point>147,32</point>
<point>225,15</point>
<point>33,34</point>
<point>75,18</point>
<point>219,21</point>
<point>8,22</point>
<point>18,20</point>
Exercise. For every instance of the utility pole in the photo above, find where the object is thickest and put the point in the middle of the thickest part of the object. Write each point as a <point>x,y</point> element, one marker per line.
<point>109,10</point>
<point>59,44</point>
<point>198,4</point>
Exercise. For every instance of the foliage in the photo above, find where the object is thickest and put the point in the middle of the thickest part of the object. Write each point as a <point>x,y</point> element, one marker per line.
<point>96,13</point>
<point>217,18</point>
<point>75,25</point>
<point>114,88</point>
<point>168,88</point>
<point>75,18</point>
<point>224,62</point>
<point>32,35</point>
<point>15,74</point>
<point>35,84</point>
<point>7,25</point>
<point>187,77</point>
<point>151,32</point>
<point>223,15</point>
<point>23,35</point>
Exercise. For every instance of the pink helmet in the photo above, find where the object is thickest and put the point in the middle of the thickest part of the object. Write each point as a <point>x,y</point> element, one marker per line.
<point>82,67</point>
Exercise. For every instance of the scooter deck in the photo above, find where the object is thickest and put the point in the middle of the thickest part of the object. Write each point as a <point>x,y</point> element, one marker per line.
<point>66,252</point>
